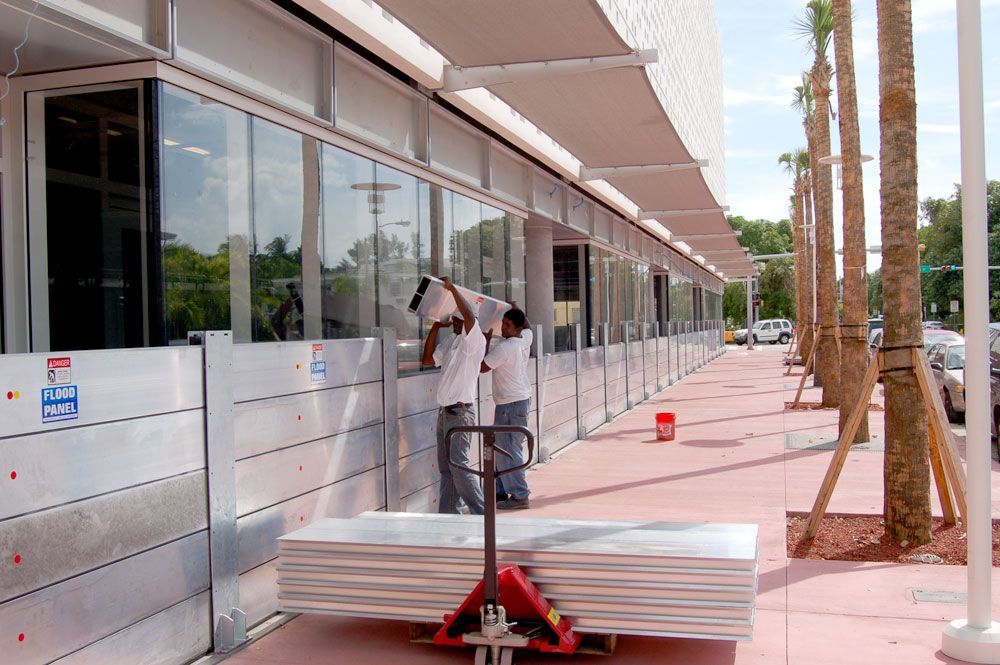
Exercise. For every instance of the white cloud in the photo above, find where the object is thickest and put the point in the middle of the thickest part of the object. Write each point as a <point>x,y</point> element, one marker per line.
<point>737,97</point>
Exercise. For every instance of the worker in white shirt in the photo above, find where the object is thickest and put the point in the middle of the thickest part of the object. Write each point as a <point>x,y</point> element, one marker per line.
<point>460,363</point>
<point>507,358</point>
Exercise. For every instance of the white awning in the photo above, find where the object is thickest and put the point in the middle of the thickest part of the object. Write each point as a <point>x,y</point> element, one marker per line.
<point>605,118</point>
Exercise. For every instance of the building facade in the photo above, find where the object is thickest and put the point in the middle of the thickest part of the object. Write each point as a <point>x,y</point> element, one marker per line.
<point>287,171</point>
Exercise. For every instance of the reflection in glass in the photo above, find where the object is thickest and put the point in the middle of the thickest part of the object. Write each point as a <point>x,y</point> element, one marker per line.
<point>494,252</point>
<point>403,253</point>
<point>286,231</point>
<point>205,216</point>
<point>464,248</point>
<point>94,223</point>
<point>348,256</point>
<point>516,251</point>
<point>566,285</point>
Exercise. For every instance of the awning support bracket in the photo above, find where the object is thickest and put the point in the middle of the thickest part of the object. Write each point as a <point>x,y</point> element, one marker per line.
<point>660,214</point>
<point>605,172</point>
<point>455,78</point>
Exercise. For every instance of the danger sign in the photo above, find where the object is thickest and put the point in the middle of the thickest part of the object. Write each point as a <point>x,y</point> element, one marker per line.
<point>59,371</point>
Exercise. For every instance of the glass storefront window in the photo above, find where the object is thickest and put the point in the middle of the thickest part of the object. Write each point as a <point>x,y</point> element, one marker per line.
<point>286,232</point>
<point>566,268</point>
<point>464,248</point>
<point>348,256</point>
<point>516,251</point>
<point>493,234</point>
<point>205,210</point>
<point>403,223</point>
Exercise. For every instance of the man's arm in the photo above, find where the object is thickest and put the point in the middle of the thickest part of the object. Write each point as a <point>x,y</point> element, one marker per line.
<point>468,318</point>
<point>483,367</point>
<point>431,344</point>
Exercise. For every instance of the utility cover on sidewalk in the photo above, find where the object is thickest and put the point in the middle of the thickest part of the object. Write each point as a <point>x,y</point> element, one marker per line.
<point>928,596</point>
<point>807,441</point>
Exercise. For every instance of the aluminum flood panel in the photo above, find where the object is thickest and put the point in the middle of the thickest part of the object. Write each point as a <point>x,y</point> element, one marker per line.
<point>71,539</point>
<point>257,533</point>
<point>59,467</point>
<point>728,546</point>
<point>178,634</point>
<point>268,479</point>
<point>664,579</point>
<point>265,425</point>
<point>282,368</point>
<point>68,616</point>
<point>417,393</point>
<point>111,385</point>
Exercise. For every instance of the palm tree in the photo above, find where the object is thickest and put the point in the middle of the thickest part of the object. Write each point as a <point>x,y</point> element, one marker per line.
<point>796,164</point>
<point>906,470</point>
<point>817,27</point>
<point>854,328</point>
<point>802,101</point>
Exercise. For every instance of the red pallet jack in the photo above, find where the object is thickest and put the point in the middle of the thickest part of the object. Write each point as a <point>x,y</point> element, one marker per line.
<point>525,620</point>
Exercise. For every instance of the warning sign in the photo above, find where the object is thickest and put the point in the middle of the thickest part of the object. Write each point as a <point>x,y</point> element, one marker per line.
<point>60,403</point>
<point>317,351</point>
<point>59,371</point>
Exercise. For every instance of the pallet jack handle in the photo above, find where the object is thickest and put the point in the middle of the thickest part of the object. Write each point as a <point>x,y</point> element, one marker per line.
<point>489,474</point>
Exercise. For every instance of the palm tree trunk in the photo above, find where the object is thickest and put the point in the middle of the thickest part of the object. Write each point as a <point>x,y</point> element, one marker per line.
<point>801,270</point>
<point>810,276</point>
<point>854,328</point>
<point>827,357</point>
<point>906,472</point>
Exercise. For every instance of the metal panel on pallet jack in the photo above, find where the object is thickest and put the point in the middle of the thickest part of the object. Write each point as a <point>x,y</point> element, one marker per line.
<point>688,580</point>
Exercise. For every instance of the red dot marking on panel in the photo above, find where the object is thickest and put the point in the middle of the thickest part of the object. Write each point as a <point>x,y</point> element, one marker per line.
<point>17,559</point>
<point>20,638</point>
<point>13,475</point>
<point>300,418</point>
<point>10,395</point>
<point>298,366</point>
<point>300,467</point>
<point>302,519</point>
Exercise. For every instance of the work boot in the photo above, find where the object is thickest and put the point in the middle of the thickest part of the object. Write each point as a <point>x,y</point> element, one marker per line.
<point>513,504</point>
<point>502,496</point>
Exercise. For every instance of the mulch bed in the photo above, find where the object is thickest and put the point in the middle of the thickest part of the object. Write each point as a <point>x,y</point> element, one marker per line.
<point>815,406</point>
<point>862,538</point>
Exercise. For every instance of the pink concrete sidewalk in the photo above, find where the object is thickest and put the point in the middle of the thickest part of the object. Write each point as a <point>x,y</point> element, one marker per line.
<point>728,464</point>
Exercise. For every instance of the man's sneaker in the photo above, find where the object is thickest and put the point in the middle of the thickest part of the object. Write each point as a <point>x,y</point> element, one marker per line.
<point>502,496</point>
<point>513,504</point>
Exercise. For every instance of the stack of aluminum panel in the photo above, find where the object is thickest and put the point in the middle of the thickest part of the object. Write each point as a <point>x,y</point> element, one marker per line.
<point>642,578</point>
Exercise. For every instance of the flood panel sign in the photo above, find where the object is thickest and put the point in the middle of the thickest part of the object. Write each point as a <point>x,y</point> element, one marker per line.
<point>60,403</point>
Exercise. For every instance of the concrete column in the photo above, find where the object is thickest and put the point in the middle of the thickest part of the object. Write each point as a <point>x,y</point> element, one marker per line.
<point>540,306</point>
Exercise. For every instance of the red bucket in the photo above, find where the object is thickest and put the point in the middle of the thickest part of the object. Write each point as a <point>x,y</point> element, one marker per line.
<point>665,423</point>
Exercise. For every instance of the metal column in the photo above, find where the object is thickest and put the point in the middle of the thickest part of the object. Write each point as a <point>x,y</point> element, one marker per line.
<point>230,627</point>
<point>390,416</point>
<point>539,345</point>
<point>625,342</point>
<point>749,313</point>
<point>605,333</point>
<point>581,428</point>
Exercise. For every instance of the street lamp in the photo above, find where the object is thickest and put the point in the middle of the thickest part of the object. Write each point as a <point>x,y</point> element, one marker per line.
<point>376,198</point>
<point>838,161</point>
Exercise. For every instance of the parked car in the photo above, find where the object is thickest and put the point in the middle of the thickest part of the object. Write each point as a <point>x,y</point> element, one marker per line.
<point>948,366</point>
<point>934,336</point>
<point>773,331</point>
<point>995,382</point>
<point>875,324</point>
<point>875,339</point>
<point>933,325</point>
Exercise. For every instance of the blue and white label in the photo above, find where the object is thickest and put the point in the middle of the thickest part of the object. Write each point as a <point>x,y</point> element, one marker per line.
<point>317,371</point>
<point>60,403</point>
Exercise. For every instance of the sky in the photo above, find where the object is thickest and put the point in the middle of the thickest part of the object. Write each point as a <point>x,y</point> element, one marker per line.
<point>763,59</point>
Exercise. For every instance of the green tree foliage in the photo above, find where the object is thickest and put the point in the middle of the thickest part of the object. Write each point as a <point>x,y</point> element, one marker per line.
<point>875,293</point>
<point>941,233</point>
<point>777,281</point>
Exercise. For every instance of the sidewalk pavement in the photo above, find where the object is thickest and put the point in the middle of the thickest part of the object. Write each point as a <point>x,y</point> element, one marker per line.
<point>729,463</point>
